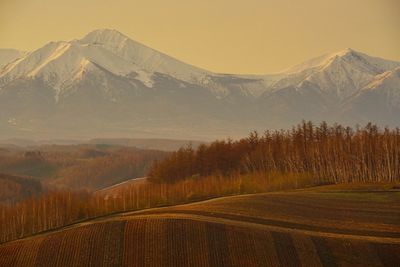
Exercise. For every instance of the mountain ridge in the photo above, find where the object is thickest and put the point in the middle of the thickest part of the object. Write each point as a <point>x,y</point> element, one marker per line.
<point>109,83</point>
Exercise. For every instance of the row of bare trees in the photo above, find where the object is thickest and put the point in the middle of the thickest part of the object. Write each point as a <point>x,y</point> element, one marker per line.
<point>329,153</point>
<point>53,210</point>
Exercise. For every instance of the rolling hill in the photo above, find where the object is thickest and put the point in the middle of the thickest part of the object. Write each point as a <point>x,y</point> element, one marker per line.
<point>78,167</point>
<point>106,85</point>
<point>326,226</point>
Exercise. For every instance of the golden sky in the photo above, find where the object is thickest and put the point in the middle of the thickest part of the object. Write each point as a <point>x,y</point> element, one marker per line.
<point>231,36</point>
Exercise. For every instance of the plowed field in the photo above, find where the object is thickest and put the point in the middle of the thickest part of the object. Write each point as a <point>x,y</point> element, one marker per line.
<point>327,226</point>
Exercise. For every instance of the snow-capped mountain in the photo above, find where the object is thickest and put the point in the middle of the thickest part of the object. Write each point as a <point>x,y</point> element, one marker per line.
<point>141,56</point>
<point>339,74</point>
<point>61,64</point>
<point>321,88</point>
<point>106,84</point>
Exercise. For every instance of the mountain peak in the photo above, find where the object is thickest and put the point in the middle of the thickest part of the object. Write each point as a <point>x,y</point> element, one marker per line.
<point>104,36</point>
<point>344,52</point>
<point>320,61</point>
<point>350,56</point>
<point>106,32</point>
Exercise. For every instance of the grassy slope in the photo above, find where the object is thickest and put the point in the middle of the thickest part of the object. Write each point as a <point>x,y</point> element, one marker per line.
<point>318,227</point>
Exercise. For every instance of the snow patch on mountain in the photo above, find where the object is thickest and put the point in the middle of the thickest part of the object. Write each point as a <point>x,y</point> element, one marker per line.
<point>388,85</point>
<point>9,55</point>
<point>389,77</point>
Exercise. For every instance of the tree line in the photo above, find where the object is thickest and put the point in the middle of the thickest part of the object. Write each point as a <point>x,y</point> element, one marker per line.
<point>56,209</point>
<point>331,154</point>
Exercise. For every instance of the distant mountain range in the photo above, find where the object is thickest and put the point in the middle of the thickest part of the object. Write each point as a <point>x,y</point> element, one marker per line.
<point>106,85</point>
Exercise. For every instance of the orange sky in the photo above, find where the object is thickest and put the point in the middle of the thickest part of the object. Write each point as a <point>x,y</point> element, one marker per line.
<point>252,36</point>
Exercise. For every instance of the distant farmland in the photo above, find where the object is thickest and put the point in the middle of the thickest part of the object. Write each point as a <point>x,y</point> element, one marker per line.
<point>329,226</point>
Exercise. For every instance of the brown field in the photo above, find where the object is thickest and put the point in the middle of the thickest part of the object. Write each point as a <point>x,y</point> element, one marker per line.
<point>325,226</point>
<point>118,189</point>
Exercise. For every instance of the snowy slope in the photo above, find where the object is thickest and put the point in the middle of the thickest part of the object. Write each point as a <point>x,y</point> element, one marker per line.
<point>148,59</point>
<point>380,98</point>
<point>9,55</point>
<point>387,84</point>
<point>59,62</point>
